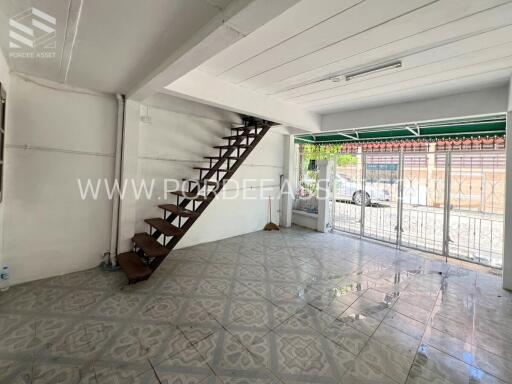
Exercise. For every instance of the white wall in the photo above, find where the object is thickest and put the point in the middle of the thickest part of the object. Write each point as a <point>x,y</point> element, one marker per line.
<point>5,80</point>
<point>181,133</point>
<point>491,100</point>
<point>55,136</point>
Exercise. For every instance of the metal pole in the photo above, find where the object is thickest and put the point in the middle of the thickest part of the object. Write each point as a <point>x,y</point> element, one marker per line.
<point>400,204</point>
<point>363,198</point>
<point>333,192</point>
<point>447,198</point>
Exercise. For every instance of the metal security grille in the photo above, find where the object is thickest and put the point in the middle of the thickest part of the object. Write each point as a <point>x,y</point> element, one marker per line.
<point>477,202</point>
<point>422,202</point>
<point>381,188</point>
<point>347,180</point>
<point>448,202</point>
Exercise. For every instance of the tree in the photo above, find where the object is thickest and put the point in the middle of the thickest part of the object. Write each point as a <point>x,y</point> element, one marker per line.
<point>317,152</point>
<point>325,152</point>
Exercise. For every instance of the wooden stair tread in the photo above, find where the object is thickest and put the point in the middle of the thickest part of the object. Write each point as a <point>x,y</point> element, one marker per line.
<point>163,226</point>
<point>244,128</point>
<point>133,267</point>
<point>209,169</point>
<point>191,195</point>
<point>149,245</point>
<point>240,136</point>
<point>232,146</point>
<point>220,157</point>
<point>201,182</point>
<point>211,183</point>
<point>176,210</point>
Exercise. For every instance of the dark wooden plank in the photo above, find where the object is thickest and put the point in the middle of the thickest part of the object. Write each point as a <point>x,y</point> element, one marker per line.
<point>191,195</point>
<point>240,136</point>
<point>133,267</point>
<point>149,245</point>
<point>220,157</point>
<point>201,183</point>
<point>209,169</point>
<point>178,211</point>
<point>245,129</point>
<point>232,146</point>
<point>163,226</point>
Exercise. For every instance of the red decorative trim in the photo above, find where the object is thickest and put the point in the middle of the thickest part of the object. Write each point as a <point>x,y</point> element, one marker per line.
<point>442,144</point>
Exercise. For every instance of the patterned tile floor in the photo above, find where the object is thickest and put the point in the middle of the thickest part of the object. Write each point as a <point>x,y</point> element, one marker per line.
<point>283,307</point>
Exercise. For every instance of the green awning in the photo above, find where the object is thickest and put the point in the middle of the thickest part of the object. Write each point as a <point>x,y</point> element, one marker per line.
<point>483,127</point>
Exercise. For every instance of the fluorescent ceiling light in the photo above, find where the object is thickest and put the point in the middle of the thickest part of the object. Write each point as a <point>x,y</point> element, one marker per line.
<point>369,71</point>
<point>337,77</point>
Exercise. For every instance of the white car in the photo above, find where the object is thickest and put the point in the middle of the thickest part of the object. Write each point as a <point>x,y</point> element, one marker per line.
<point>353,190</point>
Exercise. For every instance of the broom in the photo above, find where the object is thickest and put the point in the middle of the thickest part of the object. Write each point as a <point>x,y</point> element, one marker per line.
<point>270,226</point>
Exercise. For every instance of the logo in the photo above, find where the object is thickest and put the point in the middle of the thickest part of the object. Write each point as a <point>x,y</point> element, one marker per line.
<point>32,33</point>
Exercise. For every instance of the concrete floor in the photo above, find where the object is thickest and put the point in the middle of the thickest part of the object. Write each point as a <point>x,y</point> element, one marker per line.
<point>293,306</point>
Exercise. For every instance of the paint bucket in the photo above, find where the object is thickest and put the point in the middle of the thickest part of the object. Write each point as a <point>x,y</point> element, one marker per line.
<point>4,278</point>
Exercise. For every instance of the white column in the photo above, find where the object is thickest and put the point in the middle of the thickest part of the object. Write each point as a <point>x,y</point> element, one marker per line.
<point>128,203</point>
<point>507,243</point>
<point>289,182</point>
<point>324,191</point>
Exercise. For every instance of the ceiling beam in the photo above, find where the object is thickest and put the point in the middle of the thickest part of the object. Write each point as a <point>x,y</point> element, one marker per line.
<point>202,87</point>
<point>237,20</point>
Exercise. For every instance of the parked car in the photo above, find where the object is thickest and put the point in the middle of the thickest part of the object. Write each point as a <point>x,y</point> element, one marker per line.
<point>353,190</point>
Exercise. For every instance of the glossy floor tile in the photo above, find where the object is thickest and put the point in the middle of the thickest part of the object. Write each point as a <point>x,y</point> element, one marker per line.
<point>292,306</point>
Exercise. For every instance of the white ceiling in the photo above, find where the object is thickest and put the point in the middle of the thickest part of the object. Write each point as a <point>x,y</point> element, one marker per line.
<point>109,45</point>
<point>446,46</point>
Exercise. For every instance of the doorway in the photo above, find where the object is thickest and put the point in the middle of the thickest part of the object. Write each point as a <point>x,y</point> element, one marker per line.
<point>429,196</point>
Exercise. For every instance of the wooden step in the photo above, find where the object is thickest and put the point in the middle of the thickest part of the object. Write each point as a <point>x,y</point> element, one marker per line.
<point>220,157</point>
<point>176,210</point>
<point>202,183</point>
<point>232,146</point>
<point>163,226</point>
<point>240,136</point>
<point>133,267</point>
<point>149,245</point>
<point>248,129</point>
<point>191,195</point>
<point>209,169</point>
<point>210,183</point>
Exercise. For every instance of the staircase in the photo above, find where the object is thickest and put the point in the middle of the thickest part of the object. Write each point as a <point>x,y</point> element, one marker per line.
<point>150,249</point>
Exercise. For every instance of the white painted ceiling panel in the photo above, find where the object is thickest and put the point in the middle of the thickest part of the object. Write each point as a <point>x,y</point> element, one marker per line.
<point>124,39</point>
<point>446,45</point>
<point>354,20</point>
<point>479,45</point>
<point>109,45</point>
<point>437,24</point>
<point>255,11</point>
<point>47,67</point>
<point>504,64</point>
<point>489,56</point>
<point>298,18</point>
<point>468,84</point>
